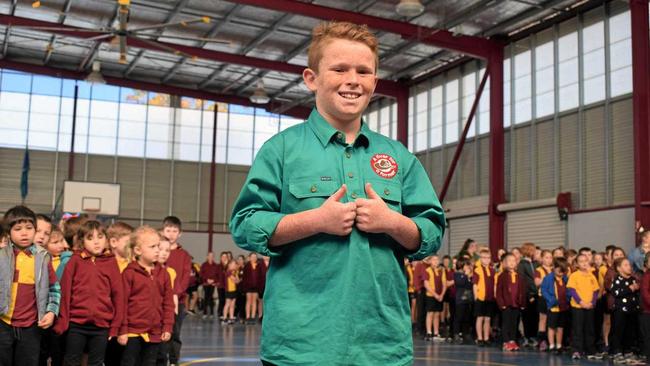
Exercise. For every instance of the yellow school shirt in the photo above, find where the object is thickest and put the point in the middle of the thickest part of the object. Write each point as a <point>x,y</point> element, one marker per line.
<point>584,284</point>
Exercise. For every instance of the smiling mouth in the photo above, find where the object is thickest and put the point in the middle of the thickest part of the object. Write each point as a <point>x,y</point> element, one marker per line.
<point>349,95</point>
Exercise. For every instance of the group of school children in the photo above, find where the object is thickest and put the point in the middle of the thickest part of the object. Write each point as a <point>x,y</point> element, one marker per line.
<point>88,294</point>
<point>240,287</point>
<point>585,304</point>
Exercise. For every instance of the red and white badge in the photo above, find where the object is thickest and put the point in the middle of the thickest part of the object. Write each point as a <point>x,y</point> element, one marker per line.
<point>384,165</point>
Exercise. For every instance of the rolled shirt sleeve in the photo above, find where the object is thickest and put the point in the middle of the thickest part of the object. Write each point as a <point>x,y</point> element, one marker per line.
<point>420,203</point>
<point>256,212</point>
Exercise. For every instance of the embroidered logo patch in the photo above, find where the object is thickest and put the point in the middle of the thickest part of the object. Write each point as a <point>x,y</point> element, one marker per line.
<point>384,165</point>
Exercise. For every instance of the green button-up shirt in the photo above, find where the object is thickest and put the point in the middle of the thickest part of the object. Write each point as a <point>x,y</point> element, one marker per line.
<point>334,300</point>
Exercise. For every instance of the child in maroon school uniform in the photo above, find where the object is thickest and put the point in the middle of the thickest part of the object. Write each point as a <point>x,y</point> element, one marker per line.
<point>92,297</point>
<point>252,285</point>
<point>149,316</point>
<point>511,298</point>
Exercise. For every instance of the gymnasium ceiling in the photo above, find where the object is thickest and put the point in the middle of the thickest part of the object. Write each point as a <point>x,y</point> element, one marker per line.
<point>250,31</point>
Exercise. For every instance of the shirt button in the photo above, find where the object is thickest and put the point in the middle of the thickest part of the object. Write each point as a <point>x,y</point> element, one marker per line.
<point>387,191</point>
<point>354,195</point>
<point>351,175</point>
<point>313,189</point>
<point>348,155</point>
<point>339,136</point>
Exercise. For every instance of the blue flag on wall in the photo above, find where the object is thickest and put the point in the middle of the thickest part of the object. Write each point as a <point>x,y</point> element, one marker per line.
<point>25,176</point>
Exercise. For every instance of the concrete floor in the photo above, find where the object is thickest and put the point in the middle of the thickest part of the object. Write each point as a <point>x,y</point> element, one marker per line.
<point>208,343</point>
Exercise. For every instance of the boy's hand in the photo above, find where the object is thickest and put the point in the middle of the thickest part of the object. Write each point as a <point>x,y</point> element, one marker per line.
<point>337,218</point>
<point>373,215</point>
<point>123,339</point>
<point>585,305</point>
<point>166,336</point>
<point>46,321</point>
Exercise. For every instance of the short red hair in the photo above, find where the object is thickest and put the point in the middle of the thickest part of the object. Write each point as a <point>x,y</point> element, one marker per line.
<point>327,31</point>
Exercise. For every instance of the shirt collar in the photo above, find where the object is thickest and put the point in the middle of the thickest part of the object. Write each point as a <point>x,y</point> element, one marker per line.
<point>30,250</point>
<point>325,132</point>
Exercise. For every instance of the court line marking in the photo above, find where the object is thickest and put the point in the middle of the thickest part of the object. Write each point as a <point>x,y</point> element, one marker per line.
<point>247,360</point>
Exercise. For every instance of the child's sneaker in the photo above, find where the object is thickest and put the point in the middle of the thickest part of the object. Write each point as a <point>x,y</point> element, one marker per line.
<point>543,346</point>
<point>619,359</point>
<point>576,356</point>
<point>438,339</point>
<point>428,337</point>
<point>595,357</point>
<point>515,346</point>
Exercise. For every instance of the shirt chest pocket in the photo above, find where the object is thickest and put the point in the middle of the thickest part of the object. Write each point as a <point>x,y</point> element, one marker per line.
<point>309,193</point>
<point>390,192</point>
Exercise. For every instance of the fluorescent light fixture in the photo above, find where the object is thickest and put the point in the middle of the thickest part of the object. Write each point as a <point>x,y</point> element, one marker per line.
<point>95,76</point>
<point>409,8</point>
<point>259,96</point>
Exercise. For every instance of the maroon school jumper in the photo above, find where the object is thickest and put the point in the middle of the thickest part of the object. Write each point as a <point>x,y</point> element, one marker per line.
<point>91,293</point>
<point>209,271</point>
<point>150,301</point>
<point>253,277</point>
<point>181,261</point>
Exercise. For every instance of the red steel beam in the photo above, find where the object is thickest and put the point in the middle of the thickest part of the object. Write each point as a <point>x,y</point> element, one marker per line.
<point>384,87</point>
<point>403,116</point>
<point>469,45</point>
<point>463,138</point>
<point>296,112</point>
<point>641,109</point>
<point>497,190</point>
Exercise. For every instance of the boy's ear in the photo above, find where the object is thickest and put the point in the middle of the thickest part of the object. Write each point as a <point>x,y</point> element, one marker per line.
<point>309,77</point>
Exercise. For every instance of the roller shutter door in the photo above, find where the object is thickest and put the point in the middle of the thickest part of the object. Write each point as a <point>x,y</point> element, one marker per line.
<point>474,227</point>
<point>540,226</point>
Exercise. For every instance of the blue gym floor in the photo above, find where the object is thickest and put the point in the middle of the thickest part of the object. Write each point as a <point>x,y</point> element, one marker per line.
<point>208,343</point>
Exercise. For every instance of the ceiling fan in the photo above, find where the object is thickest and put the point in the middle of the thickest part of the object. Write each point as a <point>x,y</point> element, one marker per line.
<point>120,33</point>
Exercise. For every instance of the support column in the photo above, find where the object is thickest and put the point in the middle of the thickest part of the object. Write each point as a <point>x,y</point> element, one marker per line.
<point>497,152</point>
<point>213,165</point>
<point>403,115</point>
<point>74,132</point>
<point>641,110</point>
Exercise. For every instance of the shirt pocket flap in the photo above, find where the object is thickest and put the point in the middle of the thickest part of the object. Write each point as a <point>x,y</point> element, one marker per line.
<point>389,191</point>
<point>305,188</point>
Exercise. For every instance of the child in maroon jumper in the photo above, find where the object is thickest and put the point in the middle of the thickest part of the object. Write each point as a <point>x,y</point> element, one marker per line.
<point>92,301</point>
<point>149,317</point>
<point>511,298</point>
<point>645,307</point>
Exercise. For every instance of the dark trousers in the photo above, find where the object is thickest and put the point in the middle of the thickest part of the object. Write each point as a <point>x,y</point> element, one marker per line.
<point>582,330</point>
<point>52,348</point>
<point>114,352</point>
<point>162,353</point>
<point>85,337</point>
<point>645,334</point>
<point>624,334</point>
<point>530,318</point>
<point>463,319</point>
<point>176,343</point>
<point>209,300</point>
<point>221,292</point>
<point>510,319</point>
<point>140,353</point>
<point>421,313</point>
<point>240,305</point>
<point>19,346</point>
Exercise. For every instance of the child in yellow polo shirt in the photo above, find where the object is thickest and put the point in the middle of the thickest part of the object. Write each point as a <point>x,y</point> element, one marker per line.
<point>583,289</point>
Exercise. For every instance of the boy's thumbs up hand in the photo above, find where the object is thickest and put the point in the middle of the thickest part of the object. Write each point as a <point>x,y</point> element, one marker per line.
<point>337,218</point>
<point>373,215</point>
